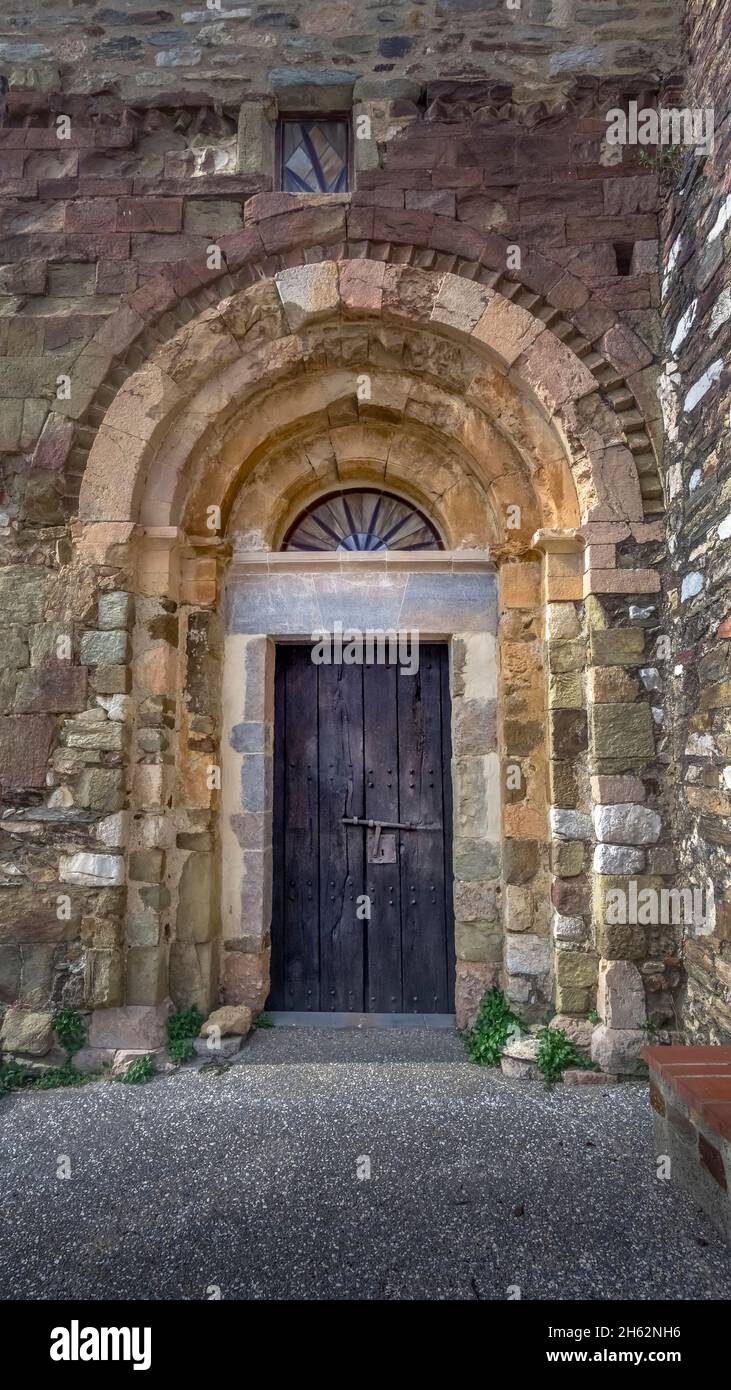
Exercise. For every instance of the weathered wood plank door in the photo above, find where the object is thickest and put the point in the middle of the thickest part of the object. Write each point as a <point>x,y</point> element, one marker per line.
<point>373,743</point>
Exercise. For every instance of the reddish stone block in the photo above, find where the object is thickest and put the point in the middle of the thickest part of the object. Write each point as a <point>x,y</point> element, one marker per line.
<point>54,445</point>
<point>570,897</point>
<point>626,352</point>
<point>92,187</point>
<point>568,293</point>
<point>25,743</point>
<point>463,176</point>
<point>456,238</point>
<point>569,732</point>
<point>405,226</point>
<point>87,247</point>
<point>67,187</point>
<point>116,277</point>
<point>119,331</point>
<point>306,227</point>
<point>246,978</point>
<point>58,688</point>
<point>91,215</point>
<point>628,195</point>
<point>153,299</point>
<point>435,200</point>
<point>474,979</point>
<point>149,215</point>
<point>630,228</point>
<point>360,223</point>
<point>11,164</point>
<point>241,247</point>
<point>361,286</point>
<point>377,197</point>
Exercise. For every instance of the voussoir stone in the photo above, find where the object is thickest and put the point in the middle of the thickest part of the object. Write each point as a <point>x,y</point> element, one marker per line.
<point>627,824</point>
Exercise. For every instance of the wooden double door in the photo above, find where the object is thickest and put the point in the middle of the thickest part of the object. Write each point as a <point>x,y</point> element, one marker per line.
<point>362,915</point>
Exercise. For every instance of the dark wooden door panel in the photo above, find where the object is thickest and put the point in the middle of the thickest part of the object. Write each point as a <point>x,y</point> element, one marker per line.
<point>382,933</point>
<point>423,907</point>
<point>341,847</point>
<point>296,752</point>
<point>362,741</point>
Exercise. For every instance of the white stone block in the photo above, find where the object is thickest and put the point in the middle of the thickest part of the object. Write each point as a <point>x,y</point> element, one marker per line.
<point>526,954</point>
<point>618,859</point>
<point>627,824</point>
<point>92,870</point>
<point>570,825</point>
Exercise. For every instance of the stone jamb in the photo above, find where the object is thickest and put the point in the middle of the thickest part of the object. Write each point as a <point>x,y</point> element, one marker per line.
<point>247,791</point>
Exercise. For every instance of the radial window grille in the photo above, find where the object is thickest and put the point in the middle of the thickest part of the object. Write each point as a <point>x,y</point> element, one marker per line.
<point>314,156</point>
<point>362,520</point>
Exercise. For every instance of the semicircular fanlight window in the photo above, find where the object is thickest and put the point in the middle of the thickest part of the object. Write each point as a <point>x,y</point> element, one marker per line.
<point>362,520</point>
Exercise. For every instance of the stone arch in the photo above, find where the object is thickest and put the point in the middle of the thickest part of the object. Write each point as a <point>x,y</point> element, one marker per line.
<point>284,234</point>
<point>278,331</point>
<point>505,409</point>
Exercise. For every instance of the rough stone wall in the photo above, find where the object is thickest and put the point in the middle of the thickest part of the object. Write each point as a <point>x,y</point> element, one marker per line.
<point>697,402</point>
<point>225,50</point>
<point>484,121</point>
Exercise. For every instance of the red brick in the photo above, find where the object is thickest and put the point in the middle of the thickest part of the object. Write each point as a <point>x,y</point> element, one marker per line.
<point>717,1115</point>
<point>702,1090</point>
<point>677,1057</point>
<point>711,1160</point>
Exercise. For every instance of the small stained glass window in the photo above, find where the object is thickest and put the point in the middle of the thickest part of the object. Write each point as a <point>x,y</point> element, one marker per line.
<point>362,520</point>
<point>314,156</point>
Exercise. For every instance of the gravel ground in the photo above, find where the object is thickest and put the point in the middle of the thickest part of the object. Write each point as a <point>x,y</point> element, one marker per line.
<point>247,1180</point>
